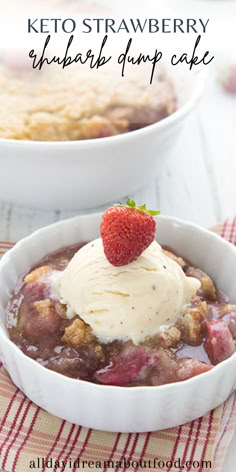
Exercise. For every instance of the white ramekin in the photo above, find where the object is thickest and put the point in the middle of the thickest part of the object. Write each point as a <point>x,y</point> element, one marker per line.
<point>118,408</point>
<point>87,174</point>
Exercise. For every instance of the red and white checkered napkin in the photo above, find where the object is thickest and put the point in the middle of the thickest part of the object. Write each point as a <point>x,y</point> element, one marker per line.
<point>31,439</point>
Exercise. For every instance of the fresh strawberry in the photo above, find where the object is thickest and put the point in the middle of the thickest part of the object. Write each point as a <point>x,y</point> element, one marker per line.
<point>228,79</point>
<point>126,232</point>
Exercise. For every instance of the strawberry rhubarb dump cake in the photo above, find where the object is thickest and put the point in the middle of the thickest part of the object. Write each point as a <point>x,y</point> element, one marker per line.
<point>121,310</point>
<point>68,105</point>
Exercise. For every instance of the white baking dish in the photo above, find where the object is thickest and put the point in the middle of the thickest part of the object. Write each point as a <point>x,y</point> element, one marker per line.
<point>119,408</point>
<point>77,175</point>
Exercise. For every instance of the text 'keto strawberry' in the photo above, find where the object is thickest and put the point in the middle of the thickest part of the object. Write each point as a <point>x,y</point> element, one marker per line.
<point>126,232</point>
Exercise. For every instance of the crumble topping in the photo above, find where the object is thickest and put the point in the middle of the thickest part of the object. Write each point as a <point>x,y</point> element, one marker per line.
<point>37,274</point>
<point>78,333</point>
<point>191,323</point>
<point>207,289</point>
<point>170,337</point>
<point>71,104</point>
<point>43,307</point>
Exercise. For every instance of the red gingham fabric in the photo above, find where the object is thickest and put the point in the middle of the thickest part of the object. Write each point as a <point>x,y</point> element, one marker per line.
<point>32,439</point>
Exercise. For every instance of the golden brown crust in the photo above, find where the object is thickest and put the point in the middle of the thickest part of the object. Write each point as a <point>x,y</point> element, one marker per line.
<point>43,307</point>
<point>170,337</point>
<point>191,323</point>
<point>73,104</point>
<point>78,333</point>
<point>207,289</point>
<point>37,274</point>
<point>165,339</point>
<point>61,310</point>
<point>97,127</point>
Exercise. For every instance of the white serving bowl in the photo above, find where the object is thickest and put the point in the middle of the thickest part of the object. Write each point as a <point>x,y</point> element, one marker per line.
<point>119,408</point>
<point>79,175</point>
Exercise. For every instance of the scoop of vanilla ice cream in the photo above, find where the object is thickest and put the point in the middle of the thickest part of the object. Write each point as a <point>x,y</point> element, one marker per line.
<point>128,302</point>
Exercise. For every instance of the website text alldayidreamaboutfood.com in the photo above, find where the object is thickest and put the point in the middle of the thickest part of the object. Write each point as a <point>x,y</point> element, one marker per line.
<point>156,464</point>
